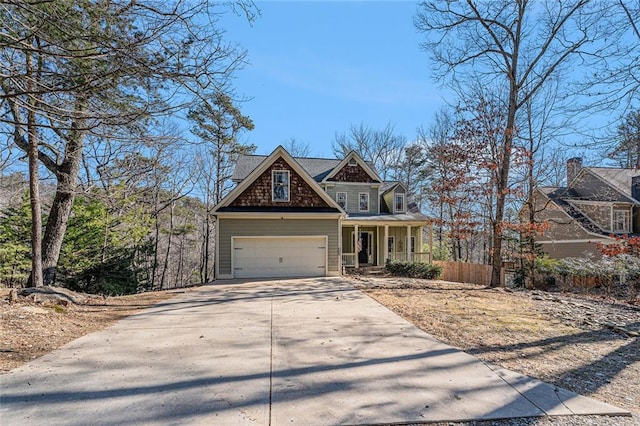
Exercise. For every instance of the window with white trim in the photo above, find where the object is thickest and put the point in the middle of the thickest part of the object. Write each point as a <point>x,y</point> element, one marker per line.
<point>621,221</point>
<point>280,185</point>
<point>390,243</point>
<point>341,199</point>
<point>398,204</point>
<point>363,204</point>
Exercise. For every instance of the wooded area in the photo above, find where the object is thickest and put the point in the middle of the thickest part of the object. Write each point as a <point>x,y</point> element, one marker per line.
<point>103,190</point>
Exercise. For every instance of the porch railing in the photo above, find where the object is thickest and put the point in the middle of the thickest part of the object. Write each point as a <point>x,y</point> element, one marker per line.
<point>349,259</point>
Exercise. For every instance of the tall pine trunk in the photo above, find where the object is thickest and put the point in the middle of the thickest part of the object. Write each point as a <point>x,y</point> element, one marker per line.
<point>34,187</point>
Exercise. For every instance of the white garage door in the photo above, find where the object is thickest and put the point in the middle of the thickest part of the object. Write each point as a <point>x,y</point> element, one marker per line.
<point>264,257</point>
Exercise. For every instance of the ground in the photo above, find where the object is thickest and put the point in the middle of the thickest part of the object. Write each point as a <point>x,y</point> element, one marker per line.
<point>585,344</point>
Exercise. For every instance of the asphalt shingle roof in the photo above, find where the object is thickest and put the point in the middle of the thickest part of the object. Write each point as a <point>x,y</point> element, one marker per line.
<point>318,168</point>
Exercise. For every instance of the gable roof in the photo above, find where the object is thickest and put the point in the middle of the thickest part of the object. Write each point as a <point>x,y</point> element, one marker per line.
<point>389,186</point>
<point>619,179</point>
<point>353,156</point>
<point>262,165</point>
<point>317,168</point>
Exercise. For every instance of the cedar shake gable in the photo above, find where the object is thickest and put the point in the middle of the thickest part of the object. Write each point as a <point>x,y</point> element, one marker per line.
<point>353,169</point>
<point>352,174</point>
<point>259,192</point>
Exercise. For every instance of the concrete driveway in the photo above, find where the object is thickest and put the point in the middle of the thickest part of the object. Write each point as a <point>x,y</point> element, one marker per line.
<point>309,351</point>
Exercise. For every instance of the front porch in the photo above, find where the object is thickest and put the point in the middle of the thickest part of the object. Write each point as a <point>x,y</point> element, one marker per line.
<point>365,245</point>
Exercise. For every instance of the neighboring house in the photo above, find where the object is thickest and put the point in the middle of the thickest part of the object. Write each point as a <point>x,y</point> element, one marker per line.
<point>312,217</point>
<point>597,204</point>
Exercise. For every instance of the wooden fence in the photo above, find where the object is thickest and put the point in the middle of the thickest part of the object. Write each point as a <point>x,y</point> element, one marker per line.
<point>461,272</point>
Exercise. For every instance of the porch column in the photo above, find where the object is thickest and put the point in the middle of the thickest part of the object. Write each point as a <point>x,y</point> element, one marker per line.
<point>355,245</point>
<point>430,242</point>
<point>419,244</point>
<point>385,245</point>
<point>408,243</point>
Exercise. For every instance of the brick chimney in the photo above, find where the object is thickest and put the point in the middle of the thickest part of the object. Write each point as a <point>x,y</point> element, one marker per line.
<point>635,187</point>
<point>573,168</point>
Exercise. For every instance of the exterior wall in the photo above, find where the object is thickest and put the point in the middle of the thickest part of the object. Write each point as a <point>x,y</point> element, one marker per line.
<point>561,226</point>
<point>352,174</point>
<point>400,235</point>
<point>572,249</point>
<point>259,194</point>
<point>387,199</point>
<point>353,197</point>
<point>599,213</point>
<point>228,228</point>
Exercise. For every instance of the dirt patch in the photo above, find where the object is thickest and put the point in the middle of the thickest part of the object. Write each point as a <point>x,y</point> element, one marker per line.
<point>587,345</point>
<point>31,329</point>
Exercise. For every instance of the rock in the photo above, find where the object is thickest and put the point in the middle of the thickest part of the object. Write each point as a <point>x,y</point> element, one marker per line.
<point>58,295</point>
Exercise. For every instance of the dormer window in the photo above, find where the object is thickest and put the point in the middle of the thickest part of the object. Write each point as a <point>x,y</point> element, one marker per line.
<point>621,221</point>
<point>398,204</point>
<point>352,162</point>
<point>280,185</point>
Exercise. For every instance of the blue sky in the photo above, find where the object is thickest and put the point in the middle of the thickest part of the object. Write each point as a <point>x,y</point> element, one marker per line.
<point>318,67</point>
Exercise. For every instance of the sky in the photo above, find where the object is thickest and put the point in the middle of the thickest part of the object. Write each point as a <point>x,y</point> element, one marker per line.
<point>316,68</point>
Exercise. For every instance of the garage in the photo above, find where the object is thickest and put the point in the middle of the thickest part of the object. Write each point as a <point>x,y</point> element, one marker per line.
<point>286,256</point>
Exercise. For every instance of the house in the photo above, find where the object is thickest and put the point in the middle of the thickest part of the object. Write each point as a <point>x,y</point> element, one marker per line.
<point>301,217</point>
<point>597,204</point>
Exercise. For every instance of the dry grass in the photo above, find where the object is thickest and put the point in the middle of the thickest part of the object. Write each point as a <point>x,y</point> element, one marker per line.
<point>555,338</point>
<point>30,330</point>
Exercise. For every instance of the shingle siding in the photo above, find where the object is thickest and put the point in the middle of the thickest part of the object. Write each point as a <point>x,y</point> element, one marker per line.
<point>352,174</point>
<point>259,193</point>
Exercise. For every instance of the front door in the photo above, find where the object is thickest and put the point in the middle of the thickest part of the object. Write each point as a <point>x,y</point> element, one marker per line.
<point>363,245</point>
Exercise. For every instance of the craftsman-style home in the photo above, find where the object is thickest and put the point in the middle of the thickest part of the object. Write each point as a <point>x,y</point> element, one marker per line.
<point>597,204</point>
<point>303,217</point>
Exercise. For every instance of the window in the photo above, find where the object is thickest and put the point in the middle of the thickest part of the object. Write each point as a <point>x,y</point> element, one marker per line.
<point>363,206</point>
<point>412,244</point>
<point>390,244</point>
<point>621,221</point>
<point>399,203</point>
<point>352,162</point>
<point>280,183</point>
<point>341,199</point>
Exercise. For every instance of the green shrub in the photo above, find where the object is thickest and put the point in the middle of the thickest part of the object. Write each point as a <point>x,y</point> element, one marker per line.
<point>413,269</point>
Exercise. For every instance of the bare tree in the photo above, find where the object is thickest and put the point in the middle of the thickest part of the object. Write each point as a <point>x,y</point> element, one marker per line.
<point>99,66</point>
<point>514,46</point>
<point>297,148</point>
<point>382,148</point>
<point>626,148</point>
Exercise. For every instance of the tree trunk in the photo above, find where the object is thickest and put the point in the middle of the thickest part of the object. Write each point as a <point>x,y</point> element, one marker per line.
<point>502,189</point>
<point>34,184</point>
<point>165,267</point>
<point>60,210</point>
